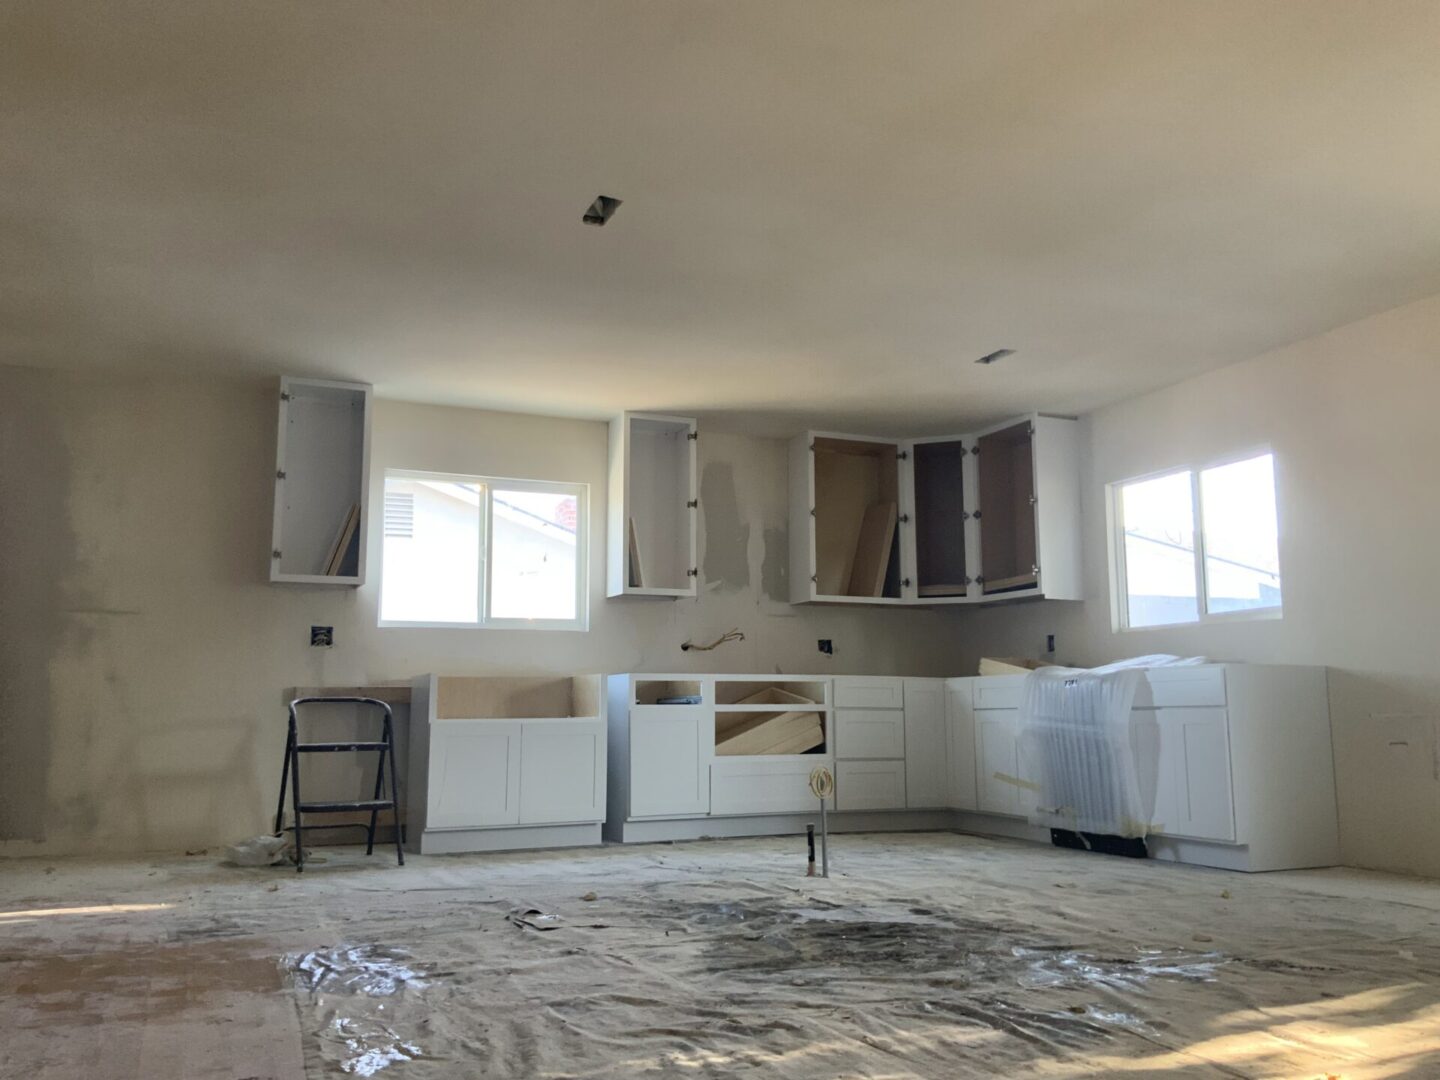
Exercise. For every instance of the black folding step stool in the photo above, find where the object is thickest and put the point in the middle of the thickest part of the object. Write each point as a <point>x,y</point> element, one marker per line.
<point>291,772</point>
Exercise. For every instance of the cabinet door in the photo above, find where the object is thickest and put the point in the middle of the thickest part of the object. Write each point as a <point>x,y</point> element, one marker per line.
<point>669,755</point>
<point>1195,761</point>
<point>562,771</point>
<point>870,785</point>
<point>926,759</point>
<point>474,774</point>
<point>869,733</point>
<point>960,714</point>
<point>998,759</point>
<point>651,524</point>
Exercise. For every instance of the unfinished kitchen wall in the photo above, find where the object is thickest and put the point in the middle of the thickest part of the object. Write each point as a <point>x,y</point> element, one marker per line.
<point>1351,417</point>
<point>144,655</point>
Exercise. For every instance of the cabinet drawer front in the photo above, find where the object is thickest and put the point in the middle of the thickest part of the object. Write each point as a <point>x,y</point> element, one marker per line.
<point>999,691</point>
<point>858,693</point>
<point>869,733</point>
<point>870,785</point>
<point>756,786</point>
<point>1180,687</point>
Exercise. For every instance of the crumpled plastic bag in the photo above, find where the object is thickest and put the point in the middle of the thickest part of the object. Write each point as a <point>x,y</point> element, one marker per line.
<point>259,851</point>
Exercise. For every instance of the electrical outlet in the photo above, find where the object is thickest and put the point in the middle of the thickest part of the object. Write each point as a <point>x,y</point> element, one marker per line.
<point>322,637</point>
<point>826,646</point>
<point>1049,643</point>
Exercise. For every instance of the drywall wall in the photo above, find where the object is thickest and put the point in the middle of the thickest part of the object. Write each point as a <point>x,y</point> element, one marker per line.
<point>145,655</point>
<point>1351,417</point>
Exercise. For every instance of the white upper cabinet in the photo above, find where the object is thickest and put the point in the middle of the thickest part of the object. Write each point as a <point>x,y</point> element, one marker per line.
<point>942,520</point>
<point>845,509</point>
<point>653,503</point>
<point>322,460</point>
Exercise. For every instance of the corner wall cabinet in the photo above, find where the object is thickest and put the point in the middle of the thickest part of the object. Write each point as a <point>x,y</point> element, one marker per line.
<point>953,519</point>
<point>1235,759</point>
<point>322,465</point>
<point>650,528</point>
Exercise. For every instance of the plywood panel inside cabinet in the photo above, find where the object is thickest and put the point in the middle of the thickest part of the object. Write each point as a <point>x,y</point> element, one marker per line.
<point>940,519</point>
<point>482,698</point>
<point>851,476</point>
<point>1007,508</point>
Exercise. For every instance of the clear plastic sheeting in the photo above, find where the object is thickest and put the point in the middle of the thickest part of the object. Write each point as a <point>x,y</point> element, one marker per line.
<point>1077,755</point>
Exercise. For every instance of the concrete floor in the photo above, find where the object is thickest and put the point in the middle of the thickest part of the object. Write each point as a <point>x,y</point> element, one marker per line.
<point>923,956</point>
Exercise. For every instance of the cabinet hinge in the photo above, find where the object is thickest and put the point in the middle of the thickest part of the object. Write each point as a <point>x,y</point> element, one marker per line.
<point>693,503</point>
<point>284,396</point>
<point>692,572</point>
<point>812,511</point>
<point>975,450</point>
<point>814,578</point>
<point>905,582</point>
<point>1035,570</point>
<point>964,515</point>
<point>976,515</point>
<point>979,579</point>
<point>812,448</point>
<point>275,554</point>
<point>279,474</point>
<point>969,581</point>
<point>903,455</point>
<point>693,436</point>
<point>1031,431</point>
<point>904,519</point>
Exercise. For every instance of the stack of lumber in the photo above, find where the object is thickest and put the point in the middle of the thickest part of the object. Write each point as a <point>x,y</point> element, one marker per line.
<point>789,732</point>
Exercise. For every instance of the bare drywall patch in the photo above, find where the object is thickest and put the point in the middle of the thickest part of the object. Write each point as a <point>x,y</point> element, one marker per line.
<point>727,538</point>
<point>775,570</point>
<point>37,551</point>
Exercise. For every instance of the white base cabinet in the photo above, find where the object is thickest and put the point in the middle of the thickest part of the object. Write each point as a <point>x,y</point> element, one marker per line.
<point>485,756</point>
<point>1234,758</point>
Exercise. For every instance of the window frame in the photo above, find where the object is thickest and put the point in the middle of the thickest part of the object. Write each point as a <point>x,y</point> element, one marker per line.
<point>581,492</point>
<point>1115,525</point>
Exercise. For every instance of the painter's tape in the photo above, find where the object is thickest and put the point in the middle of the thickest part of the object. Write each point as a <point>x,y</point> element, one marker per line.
<point>1006,778</point>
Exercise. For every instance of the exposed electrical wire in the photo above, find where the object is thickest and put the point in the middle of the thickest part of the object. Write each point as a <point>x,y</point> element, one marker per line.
<point>729,635</point>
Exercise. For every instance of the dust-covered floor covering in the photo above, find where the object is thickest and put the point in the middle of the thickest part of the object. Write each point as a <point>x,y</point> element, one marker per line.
<point>923,956</point>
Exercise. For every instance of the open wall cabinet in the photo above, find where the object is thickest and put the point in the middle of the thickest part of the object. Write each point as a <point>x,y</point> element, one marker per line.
<point>650,533</point>
<point>322,464</point>
<point>987,516</point>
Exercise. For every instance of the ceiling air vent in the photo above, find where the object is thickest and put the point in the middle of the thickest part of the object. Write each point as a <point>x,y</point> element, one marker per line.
<point>998,354</point>
<point>601,210</point>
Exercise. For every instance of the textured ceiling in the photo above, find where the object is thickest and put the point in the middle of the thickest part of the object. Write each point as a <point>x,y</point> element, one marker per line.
<point>830,208</point>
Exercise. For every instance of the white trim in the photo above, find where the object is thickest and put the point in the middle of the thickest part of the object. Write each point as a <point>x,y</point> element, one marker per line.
<point>488,486</point>
<point>1115,539</point>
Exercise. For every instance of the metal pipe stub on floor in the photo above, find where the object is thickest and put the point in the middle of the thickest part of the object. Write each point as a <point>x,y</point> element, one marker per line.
<point>822,786</point>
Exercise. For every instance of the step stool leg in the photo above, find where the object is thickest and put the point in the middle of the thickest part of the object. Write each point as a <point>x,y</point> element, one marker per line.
<point>394,789</point>
<point>284,776</point>
<point>295,796</point>
<point>374,814</point>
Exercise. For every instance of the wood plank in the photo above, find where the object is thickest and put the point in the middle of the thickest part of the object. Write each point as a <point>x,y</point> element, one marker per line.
<point>872,551</point>
<point>637,568</point>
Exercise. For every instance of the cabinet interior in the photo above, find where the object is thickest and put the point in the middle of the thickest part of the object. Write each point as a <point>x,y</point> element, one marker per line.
<point>654,691</point>
<point>857,500</point>
<point>503,697</point>
<point>763,692</point>
<point>1006,468</point>
<point>324,457</point>
<point>769,734</point>
<point>657,534</point>
<point>940,519</point>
